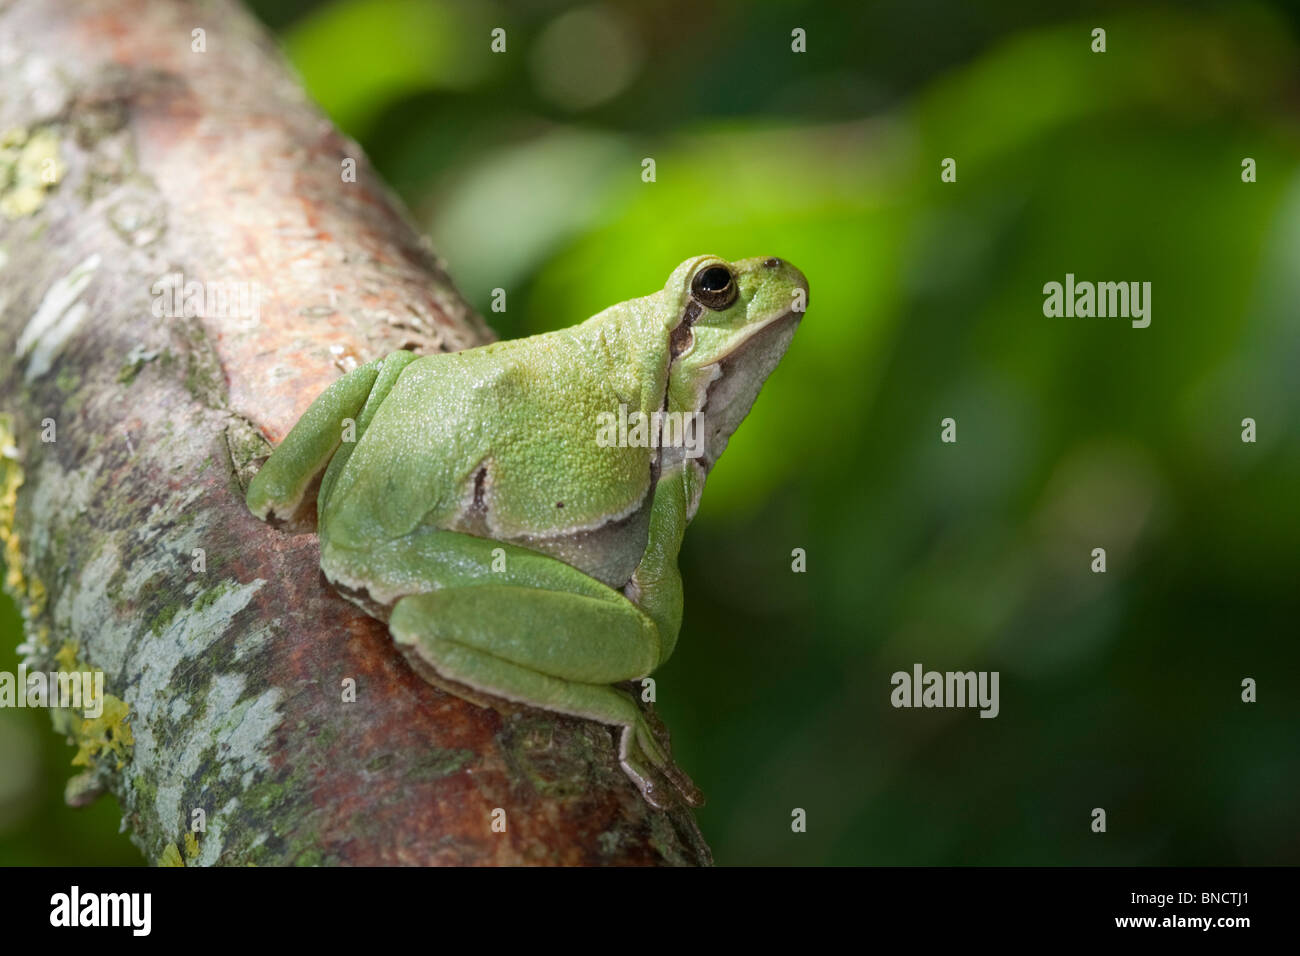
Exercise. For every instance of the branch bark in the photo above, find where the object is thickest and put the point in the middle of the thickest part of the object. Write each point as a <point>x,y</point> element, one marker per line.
<point>129,157</point>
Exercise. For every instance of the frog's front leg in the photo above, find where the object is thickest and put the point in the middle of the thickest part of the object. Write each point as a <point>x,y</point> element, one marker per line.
<point>656,585</point>
<point>536,632</point>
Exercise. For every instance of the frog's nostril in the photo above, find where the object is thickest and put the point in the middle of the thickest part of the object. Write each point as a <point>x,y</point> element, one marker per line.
<point>773,263</point>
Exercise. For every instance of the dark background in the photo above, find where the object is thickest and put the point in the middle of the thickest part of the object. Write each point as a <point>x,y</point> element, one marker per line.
<point>1119,690</point>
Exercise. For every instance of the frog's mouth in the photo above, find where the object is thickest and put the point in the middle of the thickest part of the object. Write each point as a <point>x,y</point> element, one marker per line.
<point>740,375</point>
<point>762,337</point>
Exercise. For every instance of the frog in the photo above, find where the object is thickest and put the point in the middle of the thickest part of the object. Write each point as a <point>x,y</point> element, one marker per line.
<point>521,551</point>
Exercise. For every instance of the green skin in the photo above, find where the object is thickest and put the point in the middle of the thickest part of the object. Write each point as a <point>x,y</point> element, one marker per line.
<point>465,498</point>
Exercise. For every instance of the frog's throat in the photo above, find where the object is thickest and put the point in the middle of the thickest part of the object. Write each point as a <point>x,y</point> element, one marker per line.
<point>742,372</point>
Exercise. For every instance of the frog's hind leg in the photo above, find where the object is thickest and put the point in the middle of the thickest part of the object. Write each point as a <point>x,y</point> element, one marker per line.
<point>487,639</point>
<point>282,490</point>
<point>491,621</point>
<point>388,369</point>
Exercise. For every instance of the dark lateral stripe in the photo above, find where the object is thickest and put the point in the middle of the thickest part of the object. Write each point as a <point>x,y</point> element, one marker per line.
<point>682,335</point>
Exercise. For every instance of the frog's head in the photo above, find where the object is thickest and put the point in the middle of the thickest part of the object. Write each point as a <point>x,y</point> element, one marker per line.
<point>734,323</point>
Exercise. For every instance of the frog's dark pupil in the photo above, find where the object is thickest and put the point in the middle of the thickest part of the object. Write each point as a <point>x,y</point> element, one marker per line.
<point>715,279</point>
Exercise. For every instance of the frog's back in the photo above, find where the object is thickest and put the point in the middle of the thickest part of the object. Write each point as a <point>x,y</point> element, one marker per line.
<point>498,441</point>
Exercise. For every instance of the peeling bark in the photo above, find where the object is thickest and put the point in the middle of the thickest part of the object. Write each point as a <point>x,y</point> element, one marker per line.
<point>126,157</point>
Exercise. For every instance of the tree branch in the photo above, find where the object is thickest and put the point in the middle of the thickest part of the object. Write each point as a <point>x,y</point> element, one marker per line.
<point>130,157</point>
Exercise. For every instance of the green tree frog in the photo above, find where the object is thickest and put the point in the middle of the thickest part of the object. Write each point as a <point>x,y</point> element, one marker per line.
<point>520,548</point>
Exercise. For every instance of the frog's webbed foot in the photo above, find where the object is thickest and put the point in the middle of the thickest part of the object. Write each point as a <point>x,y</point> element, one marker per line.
<point>650,766</point>
<point>645,754</point>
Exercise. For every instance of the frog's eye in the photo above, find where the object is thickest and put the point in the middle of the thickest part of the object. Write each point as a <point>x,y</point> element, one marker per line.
<point>715,287</point>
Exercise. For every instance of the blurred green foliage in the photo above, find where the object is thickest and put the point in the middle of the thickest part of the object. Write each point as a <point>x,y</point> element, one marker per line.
<point>1120,690</point>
